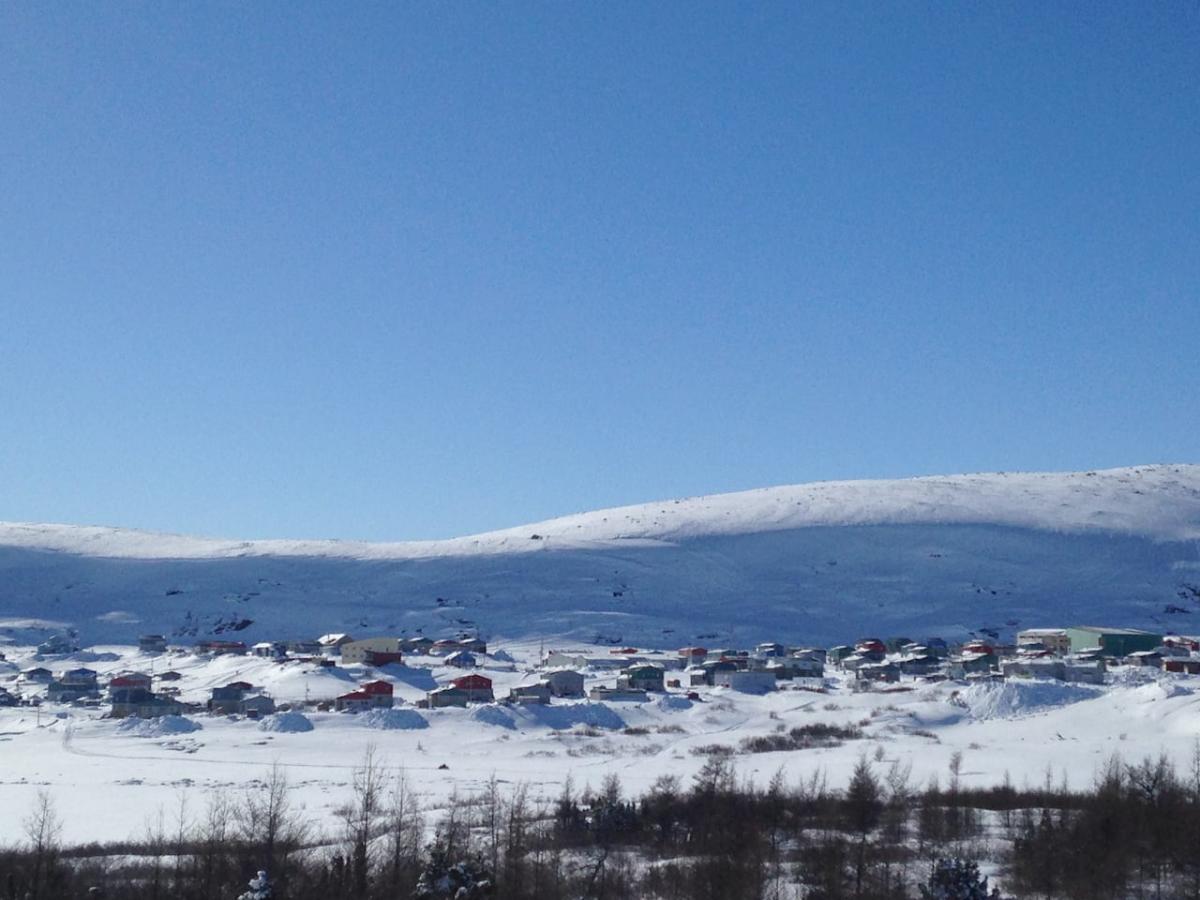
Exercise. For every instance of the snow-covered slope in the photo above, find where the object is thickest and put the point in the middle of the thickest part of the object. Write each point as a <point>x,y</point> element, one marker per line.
<point>819,562</point>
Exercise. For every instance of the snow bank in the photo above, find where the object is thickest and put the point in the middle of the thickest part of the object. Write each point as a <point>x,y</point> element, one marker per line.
<point>671,703</point>
<point>597,715</point>
<point>286,723</point>
<point>160,727</point>
<point>1018,698</point>
<point>394,719</point>
<point>493,715</point>
<point>1160,689</point>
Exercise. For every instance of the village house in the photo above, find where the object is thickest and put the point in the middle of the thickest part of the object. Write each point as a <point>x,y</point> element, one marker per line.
<point>642,678</point>
<point>884,672</point>
<point>715,666</point>
<point>269,650</point>
<point>56,645</point>
<point>303,648</point>
<point>220,648</point>
<point>1054,668</point>
<point>871,649</point>
<point>757,682</point>
<point>817,654</point>
<point>477,687</point>
<point>564,682</point>
<point>446,696</point>
<point>376,658</point>
<point>531,693</point>
<point>372,695</point>
<point>691,655</point>
<point>971,663</point>
<point>333,643</point>
<point>1181,665</point>
<point>38,674</point>
<point>853,661</point>
<point>129,680</point>
<point>60,693</point>
<point>837,654</point>
<point>7,698</point>
<point>803,666</point>
<point>356,651</point>
<point>1181,645</point>
<point>141,703</point>
<point>581,659</point>
<point>769,649</point>
<point>75,684</point>
<point>418,646</point>
<point>152,643</point>
<point>224,700</point>
<point>1055,640</point>
<point>695,676</point>
<point>618,694</point>
<point>1112,641</point>
<point>1148,658</point>
<point>170,675</point>
<point>461,659</point>
<point>256,706</point>
<point>918,661</point>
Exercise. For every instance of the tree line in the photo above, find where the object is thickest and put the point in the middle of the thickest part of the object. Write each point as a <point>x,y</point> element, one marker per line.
<point>1133,833</point>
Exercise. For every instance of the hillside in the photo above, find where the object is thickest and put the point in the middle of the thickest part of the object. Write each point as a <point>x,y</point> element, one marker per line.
<point>814,562</point>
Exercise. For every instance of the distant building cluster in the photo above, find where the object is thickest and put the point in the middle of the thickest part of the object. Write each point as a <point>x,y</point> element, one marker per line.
<point>622,674</point>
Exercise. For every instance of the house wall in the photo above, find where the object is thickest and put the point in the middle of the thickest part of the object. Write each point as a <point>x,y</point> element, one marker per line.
<point>1112,643</point>
<point>1056,640</point>
<point>356,651</point>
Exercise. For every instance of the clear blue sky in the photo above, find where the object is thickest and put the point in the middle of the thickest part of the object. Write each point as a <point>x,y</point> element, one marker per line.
<point>397,271</point>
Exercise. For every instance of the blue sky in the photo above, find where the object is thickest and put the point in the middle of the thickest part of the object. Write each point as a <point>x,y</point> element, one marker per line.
<point>397,271</point>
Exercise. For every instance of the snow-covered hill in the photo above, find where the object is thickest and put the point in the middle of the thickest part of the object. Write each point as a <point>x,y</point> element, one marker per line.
<point>818,562</point>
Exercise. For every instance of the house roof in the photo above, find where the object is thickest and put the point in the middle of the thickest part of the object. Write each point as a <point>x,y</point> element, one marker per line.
<point>472,682</point>
<point>1098,629</point>
<point>129,679</point>
<point>644,669</point>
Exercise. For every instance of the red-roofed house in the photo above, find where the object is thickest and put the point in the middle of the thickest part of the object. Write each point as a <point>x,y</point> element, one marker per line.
<point>129,681</point>
<point>477,687</point>
<point>372,695</point>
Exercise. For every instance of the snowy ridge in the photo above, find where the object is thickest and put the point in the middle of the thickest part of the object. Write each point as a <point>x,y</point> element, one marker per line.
<point>818,562</point>
<point>1156,502</point>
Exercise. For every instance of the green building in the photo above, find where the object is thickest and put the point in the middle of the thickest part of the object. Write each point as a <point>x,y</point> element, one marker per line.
<point>1112,641</point>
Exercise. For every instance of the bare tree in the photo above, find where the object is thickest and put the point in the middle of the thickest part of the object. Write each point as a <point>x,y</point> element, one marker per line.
<point>270,828</point>
<point>156,842</point>
<point>182,829</point>
<point>43,829</point>
<point>361,819</point>
<point>404,827</point>
<point>213,839</point>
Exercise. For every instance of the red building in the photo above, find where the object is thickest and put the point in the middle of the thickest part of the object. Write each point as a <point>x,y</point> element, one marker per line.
<point>372,695</point>
<point>477,687</point>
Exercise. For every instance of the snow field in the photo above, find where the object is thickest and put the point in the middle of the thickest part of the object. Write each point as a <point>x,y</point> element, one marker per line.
<point>115,776</point>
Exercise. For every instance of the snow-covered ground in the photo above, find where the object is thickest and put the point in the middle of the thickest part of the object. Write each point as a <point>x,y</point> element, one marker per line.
<point>812,564</point>
<point>110,778</point>
<point>816,563</point>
